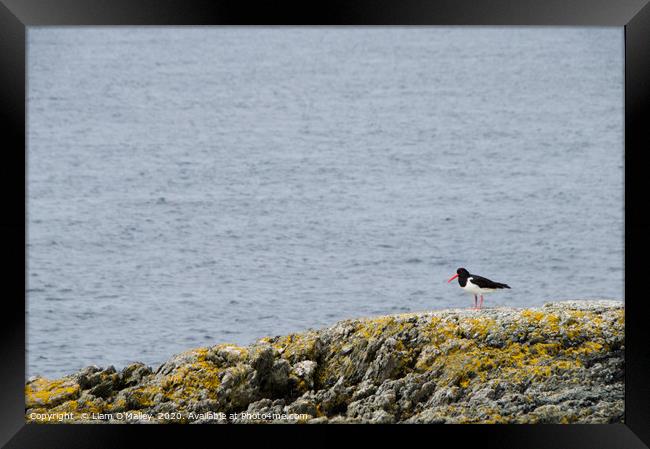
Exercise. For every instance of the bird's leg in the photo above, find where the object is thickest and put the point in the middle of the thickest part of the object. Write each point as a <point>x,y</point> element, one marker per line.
<point>481,306</point>
<point>475,303</point>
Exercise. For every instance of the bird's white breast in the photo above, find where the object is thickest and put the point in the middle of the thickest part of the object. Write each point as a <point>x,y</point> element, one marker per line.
<point>475,289</point>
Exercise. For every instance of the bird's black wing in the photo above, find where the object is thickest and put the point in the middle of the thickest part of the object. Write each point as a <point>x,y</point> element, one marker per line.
<point>486,283</point>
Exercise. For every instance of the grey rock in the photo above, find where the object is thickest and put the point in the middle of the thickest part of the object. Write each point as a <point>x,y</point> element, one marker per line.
<point>303,406</point>
<point>102,390</point>
<point>305,371</point>
<point>133,374</point>
<point>445,396</point>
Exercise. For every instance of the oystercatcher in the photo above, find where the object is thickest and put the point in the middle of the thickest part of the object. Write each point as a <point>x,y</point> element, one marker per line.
<point>476,285</point>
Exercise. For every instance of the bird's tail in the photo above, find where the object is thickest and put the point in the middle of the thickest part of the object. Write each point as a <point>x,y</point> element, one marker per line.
<point>499,285</point>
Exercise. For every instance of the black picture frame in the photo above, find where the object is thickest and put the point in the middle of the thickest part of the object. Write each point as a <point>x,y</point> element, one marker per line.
<point>633,15</point>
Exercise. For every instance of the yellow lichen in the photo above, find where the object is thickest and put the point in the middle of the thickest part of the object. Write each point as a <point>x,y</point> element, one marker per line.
<point>296,347</point>
<point>188,381</point>
<point>49,393</point>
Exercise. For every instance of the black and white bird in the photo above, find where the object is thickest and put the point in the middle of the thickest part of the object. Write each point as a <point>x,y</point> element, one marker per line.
<point>476,285</point>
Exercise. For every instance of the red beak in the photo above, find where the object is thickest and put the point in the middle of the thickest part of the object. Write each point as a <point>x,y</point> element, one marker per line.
<point>452,278</point>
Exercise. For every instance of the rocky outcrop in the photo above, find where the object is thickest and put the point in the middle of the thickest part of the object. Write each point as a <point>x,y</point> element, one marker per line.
<point>561,363</point>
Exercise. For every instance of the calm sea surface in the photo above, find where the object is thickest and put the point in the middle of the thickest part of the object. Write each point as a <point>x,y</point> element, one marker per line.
<point>192,186</point>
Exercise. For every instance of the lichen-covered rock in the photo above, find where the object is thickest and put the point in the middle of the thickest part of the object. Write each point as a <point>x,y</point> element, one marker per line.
<point>41,393</point>
<point>303,374</point>
<point>561,363</point>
